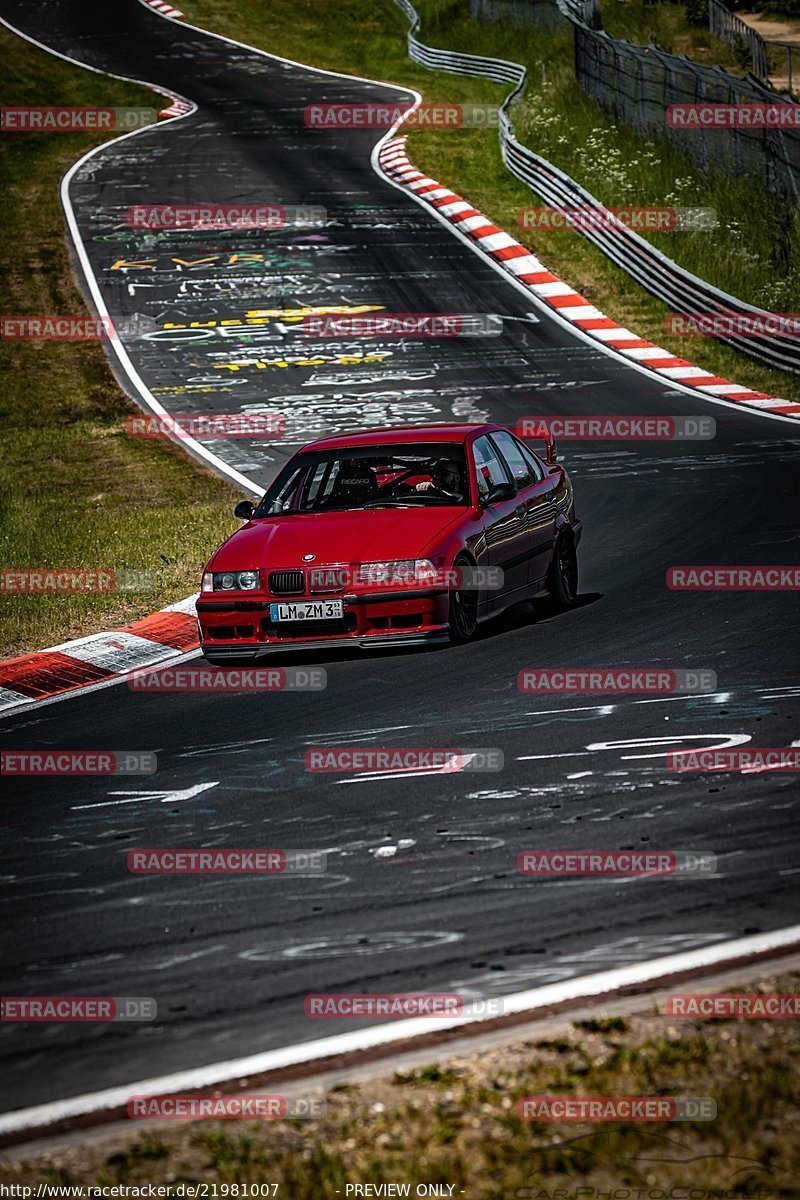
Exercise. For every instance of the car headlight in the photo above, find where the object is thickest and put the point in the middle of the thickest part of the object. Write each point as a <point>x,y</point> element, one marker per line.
<point>230,581</point>
<point>399,571</point>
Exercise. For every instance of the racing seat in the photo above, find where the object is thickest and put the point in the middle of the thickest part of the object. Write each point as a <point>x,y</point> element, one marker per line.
<point>355,484</point>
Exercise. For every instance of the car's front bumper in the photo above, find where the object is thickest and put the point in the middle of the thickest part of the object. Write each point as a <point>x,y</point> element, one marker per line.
<point>242,628</point>
<point>218,652</point>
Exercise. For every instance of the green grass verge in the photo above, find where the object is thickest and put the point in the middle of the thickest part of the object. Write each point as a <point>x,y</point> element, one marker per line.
<point>455,1122</point>
<point>666,26</point>
<point>750,255</point>
<point>76,491</point>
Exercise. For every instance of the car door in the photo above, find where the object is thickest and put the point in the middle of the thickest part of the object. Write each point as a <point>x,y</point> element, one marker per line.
<point>505,532</point>
<point>536,489</point>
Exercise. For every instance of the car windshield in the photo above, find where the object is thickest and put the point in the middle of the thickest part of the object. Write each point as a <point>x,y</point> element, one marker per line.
<point>413,476</point>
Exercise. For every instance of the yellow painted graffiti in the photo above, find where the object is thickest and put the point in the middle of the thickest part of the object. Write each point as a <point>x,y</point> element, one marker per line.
<point>187,389</point>
<point>261,364</point>
<point>262,316</point>
<point>145,264</point>
<point>225,260</point>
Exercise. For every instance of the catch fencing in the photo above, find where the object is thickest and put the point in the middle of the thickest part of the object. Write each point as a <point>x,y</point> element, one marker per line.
<point>732,29</point>
<point>736,32</point>
<point>637,84</point>
<point>684,292</point>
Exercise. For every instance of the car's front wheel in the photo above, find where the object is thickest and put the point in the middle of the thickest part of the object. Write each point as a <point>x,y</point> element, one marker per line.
<point>563,579</point>
<point>463,611</point>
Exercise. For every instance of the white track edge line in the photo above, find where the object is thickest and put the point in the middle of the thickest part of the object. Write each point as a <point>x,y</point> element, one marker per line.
<point>595,985</point>
<point>122,355</point>
<point>42,1115</point>
<point>580,334</point>
<point>375,163</point>
<point>16,707</point>
<point>148,400</point>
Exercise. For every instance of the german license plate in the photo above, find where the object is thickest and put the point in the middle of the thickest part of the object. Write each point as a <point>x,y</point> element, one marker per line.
<point>307,610</point>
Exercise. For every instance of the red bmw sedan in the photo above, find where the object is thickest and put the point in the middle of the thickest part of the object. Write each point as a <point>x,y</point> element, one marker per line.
<point>391,537</point>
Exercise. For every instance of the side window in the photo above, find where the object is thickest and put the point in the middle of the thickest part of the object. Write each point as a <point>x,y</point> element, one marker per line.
<point>532,460</point>
<point>488,465</point>
<point>287,496</point>
<point>319,484</point>
<point>518,465</point>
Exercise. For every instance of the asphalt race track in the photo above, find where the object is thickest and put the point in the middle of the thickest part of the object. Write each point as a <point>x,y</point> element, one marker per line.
<point>422,890</point>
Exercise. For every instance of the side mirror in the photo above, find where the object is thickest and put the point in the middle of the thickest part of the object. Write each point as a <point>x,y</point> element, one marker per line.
<point>500,491</point>
<point>551,450</point>
<point>244,510</point>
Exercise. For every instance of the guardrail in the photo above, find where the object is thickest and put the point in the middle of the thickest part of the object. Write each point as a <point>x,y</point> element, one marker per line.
<point>732,29</point>
<point>684,292</point>
<point>587,12</point>
<point>537,14</point>
<point>736,32</point>
<point>789,48</point>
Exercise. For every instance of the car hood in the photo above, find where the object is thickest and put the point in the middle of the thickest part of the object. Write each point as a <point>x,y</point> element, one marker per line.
<point>366,535</point>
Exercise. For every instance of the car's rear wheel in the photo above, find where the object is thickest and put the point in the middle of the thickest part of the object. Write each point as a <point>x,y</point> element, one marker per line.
<point>563,579</point>
<point>463,611</point>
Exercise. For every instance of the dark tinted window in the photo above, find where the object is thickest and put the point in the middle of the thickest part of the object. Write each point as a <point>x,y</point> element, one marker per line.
<point>488,465</point>
<point>519,464</point>
<point>414,474</point>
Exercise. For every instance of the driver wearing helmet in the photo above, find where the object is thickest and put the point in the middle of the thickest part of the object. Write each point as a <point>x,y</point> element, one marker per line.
<point>446,480</point>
